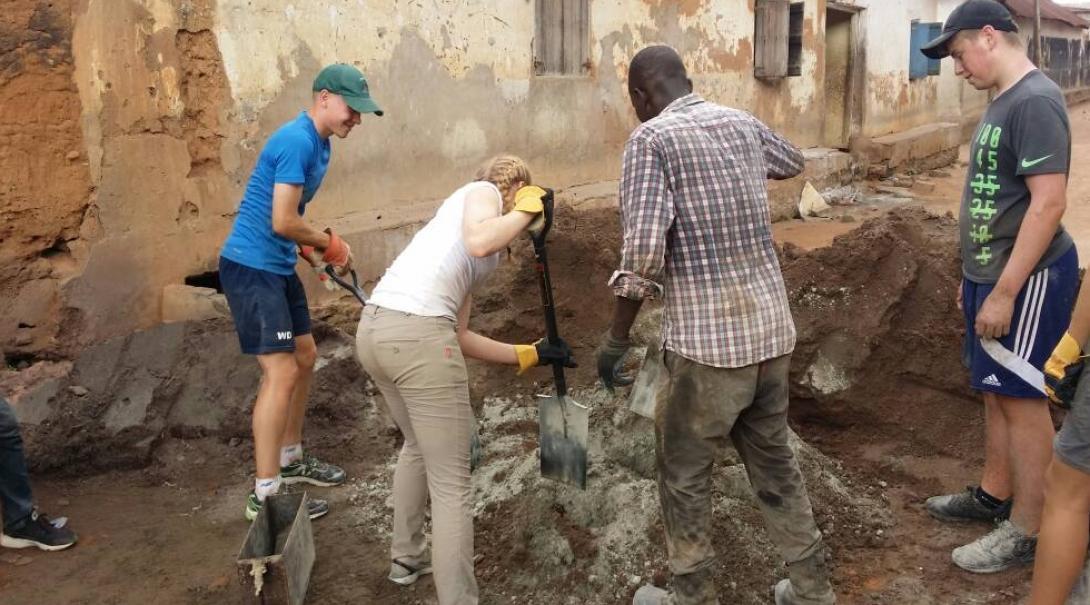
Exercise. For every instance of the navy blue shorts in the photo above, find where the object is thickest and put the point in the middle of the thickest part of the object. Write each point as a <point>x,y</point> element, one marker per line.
<point>270,310</point>
<point>1012,366</point>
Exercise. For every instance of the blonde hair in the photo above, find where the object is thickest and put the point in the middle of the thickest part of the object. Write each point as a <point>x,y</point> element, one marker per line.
<point>504,171</point>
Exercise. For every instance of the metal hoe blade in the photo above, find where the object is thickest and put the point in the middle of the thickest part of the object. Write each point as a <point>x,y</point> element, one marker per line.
<point>563,429</point>
<point>644,391</point>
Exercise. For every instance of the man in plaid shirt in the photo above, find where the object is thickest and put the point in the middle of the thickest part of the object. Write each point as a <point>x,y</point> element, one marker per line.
<point>694,208</point>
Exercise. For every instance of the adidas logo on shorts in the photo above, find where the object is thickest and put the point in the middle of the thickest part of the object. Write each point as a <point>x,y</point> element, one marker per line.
<point>992,381</point>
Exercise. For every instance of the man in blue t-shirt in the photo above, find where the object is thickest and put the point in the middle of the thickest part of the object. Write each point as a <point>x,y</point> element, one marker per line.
<point>267,301</point>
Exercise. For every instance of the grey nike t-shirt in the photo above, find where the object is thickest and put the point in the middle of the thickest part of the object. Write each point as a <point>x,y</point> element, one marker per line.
<point>1025,131</point>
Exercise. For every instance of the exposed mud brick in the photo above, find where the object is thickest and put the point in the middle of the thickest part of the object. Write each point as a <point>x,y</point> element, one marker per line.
<point>204,90</point>
<point>190,303</point>
<point>45,194</point>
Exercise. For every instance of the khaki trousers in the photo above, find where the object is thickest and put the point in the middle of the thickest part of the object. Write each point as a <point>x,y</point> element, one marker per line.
<point>697,409</point>
<point>416,363</point>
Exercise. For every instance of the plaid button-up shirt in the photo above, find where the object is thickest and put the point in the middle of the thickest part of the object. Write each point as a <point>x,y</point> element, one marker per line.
<point>697,231</point>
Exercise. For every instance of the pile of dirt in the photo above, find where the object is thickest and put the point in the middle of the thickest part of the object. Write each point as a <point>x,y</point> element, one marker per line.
<point>123,399</point>
<point>880,336</point>
<point>583,252</point>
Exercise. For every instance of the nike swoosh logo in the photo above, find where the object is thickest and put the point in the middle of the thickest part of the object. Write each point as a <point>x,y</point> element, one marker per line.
<point>1031,163</point>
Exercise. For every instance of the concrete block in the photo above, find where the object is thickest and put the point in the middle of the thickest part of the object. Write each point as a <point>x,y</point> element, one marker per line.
<point>923,187</point>
<point>825,168</point>
<point>32,406</point>
<point>894,191</point>
<point>921,148</point>
<point>190,303</point>
<point>130,406</point>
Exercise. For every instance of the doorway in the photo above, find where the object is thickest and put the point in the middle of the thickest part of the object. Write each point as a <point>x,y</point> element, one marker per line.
<point>843,63</point>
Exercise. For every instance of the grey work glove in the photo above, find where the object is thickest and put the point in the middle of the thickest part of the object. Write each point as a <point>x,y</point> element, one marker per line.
<point>474,446</point>
<point>611,354</point>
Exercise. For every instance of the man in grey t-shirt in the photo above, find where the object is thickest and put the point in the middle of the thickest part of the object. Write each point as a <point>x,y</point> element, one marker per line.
<point>1020,277</point>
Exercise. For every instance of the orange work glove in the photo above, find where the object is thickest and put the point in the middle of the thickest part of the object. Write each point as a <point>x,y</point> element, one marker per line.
<point>308,253</point>
<point>337,252</point>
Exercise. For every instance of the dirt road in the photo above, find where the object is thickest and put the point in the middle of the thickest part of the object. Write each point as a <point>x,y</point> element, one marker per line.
<point>169,533</point>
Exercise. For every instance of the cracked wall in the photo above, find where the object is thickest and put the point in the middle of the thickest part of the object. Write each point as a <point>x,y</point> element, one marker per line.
<point>136,122</point>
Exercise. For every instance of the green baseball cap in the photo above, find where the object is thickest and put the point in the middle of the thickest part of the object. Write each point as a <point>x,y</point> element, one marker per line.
<point>349,83</point>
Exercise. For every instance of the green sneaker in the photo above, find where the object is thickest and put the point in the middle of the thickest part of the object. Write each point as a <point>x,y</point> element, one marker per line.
<point>315,508</point>
<point>309,469</point>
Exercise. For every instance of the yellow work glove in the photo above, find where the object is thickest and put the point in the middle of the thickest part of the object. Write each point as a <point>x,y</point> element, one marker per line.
<point>527,355</point>
<point>529,199</point>
<point>544,353</point>
<point>1062,371</point>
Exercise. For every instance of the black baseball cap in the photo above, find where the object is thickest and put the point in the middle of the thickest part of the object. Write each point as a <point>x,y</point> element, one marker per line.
<point>973,14</point>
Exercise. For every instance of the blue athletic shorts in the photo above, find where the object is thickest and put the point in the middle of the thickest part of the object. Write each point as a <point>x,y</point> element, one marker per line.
<point>270,310</point>
<point>1012,365</point>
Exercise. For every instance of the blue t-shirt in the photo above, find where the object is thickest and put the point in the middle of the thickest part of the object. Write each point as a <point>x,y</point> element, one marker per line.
<point>295,155</point>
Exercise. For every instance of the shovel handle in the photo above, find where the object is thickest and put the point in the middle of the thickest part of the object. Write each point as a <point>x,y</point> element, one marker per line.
<point>542,265</point>
<point>353,288</point>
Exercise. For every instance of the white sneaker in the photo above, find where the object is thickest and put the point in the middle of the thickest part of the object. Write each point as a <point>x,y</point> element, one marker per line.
<point>404,572</point>
<point>1004,547</point>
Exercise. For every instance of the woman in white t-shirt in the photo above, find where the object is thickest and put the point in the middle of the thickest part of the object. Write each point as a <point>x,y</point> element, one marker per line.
<point>412,338</point>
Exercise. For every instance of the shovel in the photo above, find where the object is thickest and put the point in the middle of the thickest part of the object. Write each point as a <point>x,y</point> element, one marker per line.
<point>563,422</point>
<point>354,287</point>
<point>641,399</point>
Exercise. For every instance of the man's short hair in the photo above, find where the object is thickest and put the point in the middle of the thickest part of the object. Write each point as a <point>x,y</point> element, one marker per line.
<point>1011,38</point>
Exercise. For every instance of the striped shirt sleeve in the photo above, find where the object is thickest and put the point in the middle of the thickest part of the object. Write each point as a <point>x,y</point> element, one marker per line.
<point>647,212</point>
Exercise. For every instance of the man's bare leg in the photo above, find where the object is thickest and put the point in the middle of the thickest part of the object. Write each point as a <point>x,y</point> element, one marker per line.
<point>1065,531</point>
<point>1030,431</point>
<point>996,480</point>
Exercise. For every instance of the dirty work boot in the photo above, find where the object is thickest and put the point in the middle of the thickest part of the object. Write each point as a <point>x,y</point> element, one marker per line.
<point>808,583</point>
<point>38,531</point>
<point>1004,547</point>
<point>967,506</point>
<point>309,469</point>
<point>405,571</point>
<point>315,507</point>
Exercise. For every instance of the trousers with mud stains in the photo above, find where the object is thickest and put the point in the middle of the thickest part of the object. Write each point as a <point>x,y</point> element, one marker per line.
<point>697,408</point>
<point>418,366</point>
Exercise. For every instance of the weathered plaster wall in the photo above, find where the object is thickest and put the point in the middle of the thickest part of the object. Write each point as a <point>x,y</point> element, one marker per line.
<point>456,79</point>
<point>958,101</point>
<point>893,102</point>
<point>162,143</point>
<point>157,109</point>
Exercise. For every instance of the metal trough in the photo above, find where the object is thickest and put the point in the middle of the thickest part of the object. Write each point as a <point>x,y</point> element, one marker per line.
<point>277,556</point>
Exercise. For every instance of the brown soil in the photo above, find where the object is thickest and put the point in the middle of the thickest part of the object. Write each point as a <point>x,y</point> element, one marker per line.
<point>895,419</point>
<point>46,180</point>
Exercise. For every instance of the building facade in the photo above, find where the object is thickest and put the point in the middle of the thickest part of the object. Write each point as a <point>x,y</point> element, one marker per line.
<point>156,110</point>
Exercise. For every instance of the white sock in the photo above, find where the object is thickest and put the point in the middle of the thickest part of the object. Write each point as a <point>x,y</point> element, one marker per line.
<point>266,487</point>
<point>291,453</point>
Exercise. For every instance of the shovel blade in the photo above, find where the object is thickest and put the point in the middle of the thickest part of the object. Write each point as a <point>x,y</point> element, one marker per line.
<point>563,426</point>
<point>641,399</point>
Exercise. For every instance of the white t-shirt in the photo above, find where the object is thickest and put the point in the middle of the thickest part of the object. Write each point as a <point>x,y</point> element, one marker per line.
<point>435,273</point>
